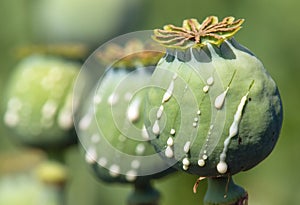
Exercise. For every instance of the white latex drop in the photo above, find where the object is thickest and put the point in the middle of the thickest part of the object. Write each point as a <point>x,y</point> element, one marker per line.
<point>220,99</point>
<point>169,92</point>
<point>160,112</point>
<point>133,110</point>
<point>155,128</point>
<point>169,152</point>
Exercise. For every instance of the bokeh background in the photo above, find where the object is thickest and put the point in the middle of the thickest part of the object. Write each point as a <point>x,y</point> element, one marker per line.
<point>271,31</point>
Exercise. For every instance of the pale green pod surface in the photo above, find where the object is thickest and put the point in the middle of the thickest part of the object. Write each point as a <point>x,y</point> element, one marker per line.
<point>82,21</point>
<point>112,129</point>
<point>25,189</point>
<point>38,101</point>
<point>221,110</point>
<point>110,124</point>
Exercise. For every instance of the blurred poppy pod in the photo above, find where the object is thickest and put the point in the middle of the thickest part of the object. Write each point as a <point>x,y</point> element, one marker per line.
<point>38,101</point>
<point>111,127</point>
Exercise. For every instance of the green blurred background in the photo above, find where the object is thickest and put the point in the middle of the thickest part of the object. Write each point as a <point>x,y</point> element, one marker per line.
<point>271,31</point>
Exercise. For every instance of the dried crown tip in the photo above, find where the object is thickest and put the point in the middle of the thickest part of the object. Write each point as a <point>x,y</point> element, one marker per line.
<point>133,53</point>
<point>194,34</point>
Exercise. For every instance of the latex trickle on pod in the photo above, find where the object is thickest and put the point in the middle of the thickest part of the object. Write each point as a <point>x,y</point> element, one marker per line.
<point>220,111</point>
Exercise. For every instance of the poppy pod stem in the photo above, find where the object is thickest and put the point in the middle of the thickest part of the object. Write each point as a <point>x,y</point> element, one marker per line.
<point>144,194</point>
<point>223,190</point>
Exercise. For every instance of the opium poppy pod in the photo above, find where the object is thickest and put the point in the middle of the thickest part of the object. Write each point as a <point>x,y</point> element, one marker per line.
<point>213,109</point>
<point>111,127</point>
<point>38,101</point>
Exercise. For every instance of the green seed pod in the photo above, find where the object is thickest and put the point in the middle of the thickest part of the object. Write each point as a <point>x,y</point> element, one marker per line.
<point>26,177</point>
<point>74,51</point>
<point>111,128</point>
<point>81,21</point>
<point>38,105</point>
<point>214,110</point>
<point>20,189</point>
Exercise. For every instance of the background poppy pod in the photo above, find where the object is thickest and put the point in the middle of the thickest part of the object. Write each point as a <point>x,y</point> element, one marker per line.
<point>111,126</point>
<point>38,102</point>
